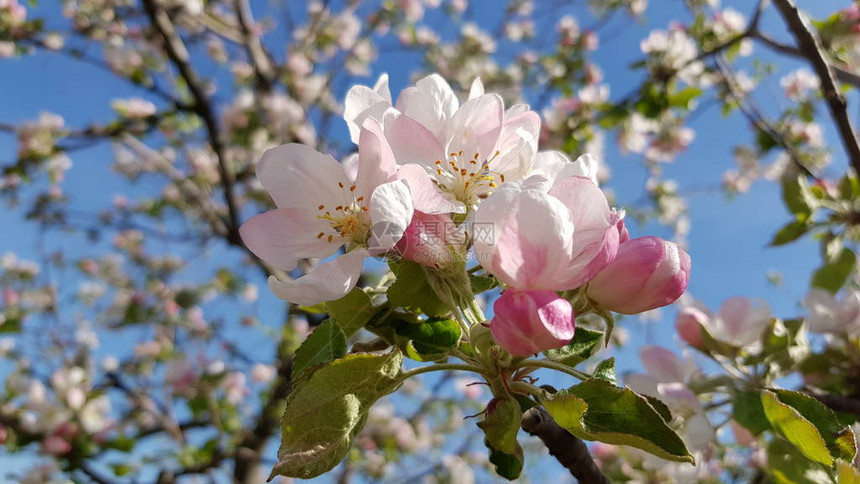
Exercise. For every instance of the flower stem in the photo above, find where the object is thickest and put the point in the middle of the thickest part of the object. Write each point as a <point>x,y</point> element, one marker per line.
<point>440,367</point>
<point>526,388</point>
<point>556,366</point>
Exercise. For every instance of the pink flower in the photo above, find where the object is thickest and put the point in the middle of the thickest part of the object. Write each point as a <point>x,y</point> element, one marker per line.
<point>647,273</point>
<point>458,154</point>
<point>528,322</point>
<point>533,237</point>
<point>321,210</point>
<point>740,322</point>
<point>689,323</point>
<point>428,238</point>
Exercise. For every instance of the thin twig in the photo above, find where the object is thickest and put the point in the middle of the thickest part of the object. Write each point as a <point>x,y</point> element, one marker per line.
<point>810,45</point>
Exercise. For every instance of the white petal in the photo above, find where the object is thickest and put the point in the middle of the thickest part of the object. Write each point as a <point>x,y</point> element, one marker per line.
<point>425,195</point>
<point>477,88</point>
<point>376,163</point>
<point>363,102</point>
<point>284,236</point>
<point>431,102</point>
<point>517,146</point>
<point>410,141</point>
<point>327,282</point>
<point>390,215</point>
<point>476,126</point>
<point>298,176</point>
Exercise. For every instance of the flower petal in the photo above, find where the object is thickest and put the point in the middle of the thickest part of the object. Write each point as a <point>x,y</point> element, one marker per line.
<point>425,196</point>
<point>410,141</point>
<point>431,102</point>
<point>327,282</point>
<point>477,88</point>
<point>284,236</point>
<point>517,146</point>
<point>363,102</point>
<point>390,215</point>
<point>476,126</point>
<point>376,163</point>
<point>298,176</point>
<point>523,237</point>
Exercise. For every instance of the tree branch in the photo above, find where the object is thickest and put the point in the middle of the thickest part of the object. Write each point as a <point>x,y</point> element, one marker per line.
<point>260,59</point>
<point>570,451</point>
<point>179,57</point>
<point>810,46</point>
<point>843,75</point>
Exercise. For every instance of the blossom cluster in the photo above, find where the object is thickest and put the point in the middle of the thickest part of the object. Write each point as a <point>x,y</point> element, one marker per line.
<point>439,182</point>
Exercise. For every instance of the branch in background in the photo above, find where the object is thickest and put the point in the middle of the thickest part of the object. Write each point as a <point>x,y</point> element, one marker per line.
<point>178,55</point>
<point>842,74</point>
<point>570,451</point>
<point>810,46</point>
<point>755,116</point>
<point>837,403</point>
<point>260,59</point>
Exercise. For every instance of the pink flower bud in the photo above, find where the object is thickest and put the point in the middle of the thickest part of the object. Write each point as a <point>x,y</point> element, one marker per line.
<point>647,273</point>
<point>427,238</point>
<point>528,322</point>
<point>688,323</point>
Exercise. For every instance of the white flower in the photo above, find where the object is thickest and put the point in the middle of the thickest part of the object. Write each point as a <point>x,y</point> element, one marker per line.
<point>830,315</point>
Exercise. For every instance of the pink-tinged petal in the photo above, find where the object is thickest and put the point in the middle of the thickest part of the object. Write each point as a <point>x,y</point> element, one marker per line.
<point>410,141</point>
<point>431,102</point>
<point>662,364</point>
<point>690,323</point>
<point>743,320</point>
<point>327,282</point>
<point>517,146</point>
<point>525,323</point>
<point>425,195</point>
<point>376,163</point>
<point>516,110</point>
<point>475,127</point>
<point>350,166</point>
<point>477,89</point>
<point>363,102</point>
<point>427,239</point>
<point>556,166</point>
<point>642,383</point>
<point>596,233</point>
<point>284,236</point>
<point>647,273</point>
<point>298,176</point>
<point>679,398</point>
<point>523,236</point>
<point>390,214</point>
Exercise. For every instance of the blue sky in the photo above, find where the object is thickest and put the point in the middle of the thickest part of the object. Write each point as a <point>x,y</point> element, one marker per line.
<point>728,237</point>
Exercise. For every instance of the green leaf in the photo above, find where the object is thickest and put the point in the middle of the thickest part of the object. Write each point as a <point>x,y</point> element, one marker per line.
<point>327,410</point>
<point>796,429</point>
<point>606,370</point>
<point>797,195</point>
<point>598,410</point>
<point>411,290</point>
<point>352,311</point>
<point>849,187</point>
<point>839,438</point>
<point>682,98</point>
<point>325,344</point>
<point>501,424</point>
<point>832,275</point>
<point>748,411</point>
<point>585,343</point>
<point>431,337</point>
<point>508,466</point>
<point>788,466</point>
<point>790,232</point>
